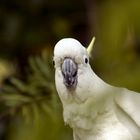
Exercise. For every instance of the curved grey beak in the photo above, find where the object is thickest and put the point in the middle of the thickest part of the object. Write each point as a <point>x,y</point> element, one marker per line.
<point>69,71</point>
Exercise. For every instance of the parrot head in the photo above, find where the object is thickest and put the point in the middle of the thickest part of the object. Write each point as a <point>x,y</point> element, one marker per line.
<point>71,61</point>
<point>69,54</point>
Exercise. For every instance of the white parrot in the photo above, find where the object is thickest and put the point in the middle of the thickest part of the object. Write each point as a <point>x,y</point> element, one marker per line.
<point>94,109</point>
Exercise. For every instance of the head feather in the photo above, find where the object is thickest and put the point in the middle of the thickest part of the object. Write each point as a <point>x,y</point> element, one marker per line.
<point>90,47</point>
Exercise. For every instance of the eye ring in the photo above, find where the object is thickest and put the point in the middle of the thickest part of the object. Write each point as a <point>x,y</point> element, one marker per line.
<point>86,60</point>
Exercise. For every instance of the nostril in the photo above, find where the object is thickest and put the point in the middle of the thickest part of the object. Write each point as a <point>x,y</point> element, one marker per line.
<point>75,73</point>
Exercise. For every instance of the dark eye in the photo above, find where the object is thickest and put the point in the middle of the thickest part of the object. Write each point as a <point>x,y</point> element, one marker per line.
<point>86,60</point>
<point>53,62</point>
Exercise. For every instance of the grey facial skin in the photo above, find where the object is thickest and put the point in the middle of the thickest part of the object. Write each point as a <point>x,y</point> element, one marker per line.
<point>69,72</point>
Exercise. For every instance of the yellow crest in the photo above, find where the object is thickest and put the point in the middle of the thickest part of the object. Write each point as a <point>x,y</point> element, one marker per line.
<point>90,46</point>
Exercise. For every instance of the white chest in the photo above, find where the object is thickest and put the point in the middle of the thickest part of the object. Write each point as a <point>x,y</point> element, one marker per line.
<point>108,130</point>
<point>92,125</point>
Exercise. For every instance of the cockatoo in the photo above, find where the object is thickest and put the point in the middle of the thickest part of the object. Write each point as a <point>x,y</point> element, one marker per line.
<point>94,109</point>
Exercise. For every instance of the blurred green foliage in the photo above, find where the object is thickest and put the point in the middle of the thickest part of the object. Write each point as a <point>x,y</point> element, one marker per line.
<point>118,34</point>
<point>33,106</point>
<point>30,107</point>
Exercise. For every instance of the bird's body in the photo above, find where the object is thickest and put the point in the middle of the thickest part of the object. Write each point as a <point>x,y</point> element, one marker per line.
<point>94,109</point>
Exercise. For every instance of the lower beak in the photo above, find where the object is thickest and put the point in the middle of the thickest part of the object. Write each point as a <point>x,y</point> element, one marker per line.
<point>69,71</point>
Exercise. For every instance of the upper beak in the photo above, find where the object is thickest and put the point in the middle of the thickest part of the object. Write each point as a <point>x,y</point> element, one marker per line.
<point>69,71</point>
